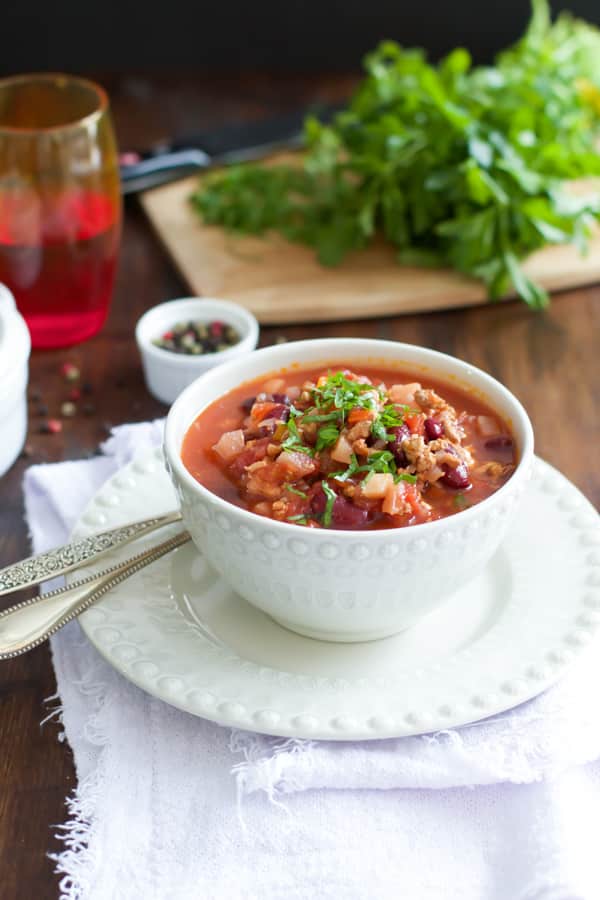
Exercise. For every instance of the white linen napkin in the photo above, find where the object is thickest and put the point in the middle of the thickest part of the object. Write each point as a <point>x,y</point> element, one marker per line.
<point>171,806</point>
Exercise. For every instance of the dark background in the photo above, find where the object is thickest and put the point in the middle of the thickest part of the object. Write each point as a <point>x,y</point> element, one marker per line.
<point>126,36</point>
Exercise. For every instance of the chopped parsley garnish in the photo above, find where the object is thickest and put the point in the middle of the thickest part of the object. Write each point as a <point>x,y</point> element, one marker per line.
<point>378,431</point>
<point>345,474</point>
<point>344,394</point>
<point>301,519</point>
<point>294,490</point>
<point>382,461</point>
<point>333,416</point>
<point>327,436</point>
<point>460,501</point>
<point>405,476</point>
<point>293,441</point>
<point>331,498</point>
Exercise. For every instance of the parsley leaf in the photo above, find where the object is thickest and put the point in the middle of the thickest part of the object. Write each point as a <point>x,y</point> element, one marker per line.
<point>378,431</point>
<point>327,436</point>
<point>293,441</point>
<point>405,476</point>
<point>345,474</point>
<point>294,490</point>
<point>331,498</point>
<point>454,164</point>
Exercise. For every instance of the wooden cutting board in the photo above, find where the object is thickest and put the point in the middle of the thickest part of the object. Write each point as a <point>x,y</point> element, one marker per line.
<point>281,282</point>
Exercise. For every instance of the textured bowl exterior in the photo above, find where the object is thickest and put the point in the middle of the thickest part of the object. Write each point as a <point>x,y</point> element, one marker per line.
<point>340,585</point>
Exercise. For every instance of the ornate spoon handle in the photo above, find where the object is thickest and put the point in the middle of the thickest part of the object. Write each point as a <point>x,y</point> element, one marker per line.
<point>64,559</point>
<point>27,624</point>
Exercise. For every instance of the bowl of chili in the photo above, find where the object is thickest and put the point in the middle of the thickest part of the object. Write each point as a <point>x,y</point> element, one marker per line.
<point>347,487</point>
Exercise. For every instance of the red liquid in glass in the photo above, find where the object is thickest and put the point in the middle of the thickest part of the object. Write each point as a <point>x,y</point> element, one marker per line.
<point>58,257</point>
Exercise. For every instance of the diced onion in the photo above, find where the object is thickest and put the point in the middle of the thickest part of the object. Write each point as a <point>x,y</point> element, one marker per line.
<point>342,452</point>
<point>487,426</point>
<point>376,487</point>
<point>274,386</point>
<point>404,393</point>
<point>230,444</point>
<point>394,501</point>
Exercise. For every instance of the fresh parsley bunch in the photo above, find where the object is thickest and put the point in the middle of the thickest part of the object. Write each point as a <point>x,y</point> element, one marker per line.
<point>456,165</point>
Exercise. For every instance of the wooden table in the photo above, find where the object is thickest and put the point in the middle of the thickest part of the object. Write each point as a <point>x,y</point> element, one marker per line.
<point>551,361</point>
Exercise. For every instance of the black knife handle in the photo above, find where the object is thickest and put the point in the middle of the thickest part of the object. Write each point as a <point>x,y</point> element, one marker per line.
<point>155,170</point>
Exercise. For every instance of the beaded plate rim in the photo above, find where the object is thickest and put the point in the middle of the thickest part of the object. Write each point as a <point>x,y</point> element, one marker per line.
<point>229,690</point>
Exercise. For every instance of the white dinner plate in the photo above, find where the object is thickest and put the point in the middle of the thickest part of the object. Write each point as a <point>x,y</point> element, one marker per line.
<point>177,631</point>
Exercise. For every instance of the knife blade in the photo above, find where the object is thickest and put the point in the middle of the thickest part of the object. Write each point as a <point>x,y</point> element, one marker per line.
<point>228,145</point>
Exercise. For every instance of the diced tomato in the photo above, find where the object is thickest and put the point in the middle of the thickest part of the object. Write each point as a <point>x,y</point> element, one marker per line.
<point>411,495</point>
<point>261,411</point>
<point>416,423</point>
<point>293,465</point>
<point>359,415</point>
<point>250,455</point>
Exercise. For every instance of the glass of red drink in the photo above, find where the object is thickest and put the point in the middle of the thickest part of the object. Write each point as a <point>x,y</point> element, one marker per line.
<point>60,208</point>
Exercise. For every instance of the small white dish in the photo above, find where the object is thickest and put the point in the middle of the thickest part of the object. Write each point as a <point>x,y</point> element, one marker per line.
<point>15,347</point>
<point>167,373</point>
<point>314,580</point>
<point>180,633</point>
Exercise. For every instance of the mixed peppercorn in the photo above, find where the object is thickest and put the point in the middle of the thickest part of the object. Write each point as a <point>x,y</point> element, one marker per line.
<point>198,338</point>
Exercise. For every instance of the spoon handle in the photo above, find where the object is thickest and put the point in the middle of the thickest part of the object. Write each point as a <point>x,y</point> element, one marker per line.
<point>64,559</point>
<point>27,624</point>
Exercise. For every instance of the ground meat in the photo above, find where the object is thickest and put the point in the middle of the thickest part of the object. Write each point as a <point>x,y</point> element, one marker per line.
<point>360,430</point>
<point>280,508</point>
<point>452,427</point>
<point>428,399</point>
<point>427,460</point>
<point>494,470</point>
<point>359,447</point>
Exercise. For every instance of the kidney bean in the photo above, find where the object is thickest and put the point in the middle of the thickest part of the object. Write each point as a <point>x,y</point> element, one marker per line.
<point>346,515</point>
<point>281,412</point>
<point>400,432</point>
<point>456,478</point>
<point>499,442</point>
<point>433,430</point>
<point>280,398</point>
<point>318,500</point>
<point>248,403</point>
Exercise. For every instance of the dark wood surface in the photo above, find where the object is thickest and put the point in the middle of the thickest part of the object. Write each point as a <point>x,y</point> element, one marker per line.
<point>550,361</point>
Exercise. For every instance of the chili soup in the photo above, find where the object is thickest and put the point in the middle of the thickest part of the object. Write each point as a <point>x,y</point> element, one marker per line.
<point>350,447</point>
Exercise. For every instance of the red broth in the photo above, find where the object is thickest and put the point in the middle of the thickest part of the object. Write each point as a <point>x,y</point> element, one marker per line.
<point>322,447</point>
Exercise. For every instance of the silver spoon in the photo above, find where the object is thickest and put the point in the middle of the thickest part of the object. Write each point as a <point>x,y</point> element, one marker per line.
<point>65,559</point>
<point>27,624</point>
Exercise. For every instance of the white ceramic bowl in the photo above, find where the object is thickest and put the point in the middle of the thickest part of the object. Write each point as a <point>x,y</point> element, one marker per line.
<point>15,347</point>
<point>345,585</point>
<point>166,373</point>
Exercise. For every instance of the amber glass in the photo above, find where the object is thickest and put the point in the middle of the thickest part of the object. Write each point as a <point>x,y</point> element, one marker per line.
<point>60,208</point>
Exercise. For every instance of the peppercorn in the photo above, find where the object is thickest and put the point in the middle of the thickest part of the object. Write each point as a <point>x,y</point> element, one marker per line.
<point>197,338</point>
<point>68,409</point>
<point>51,426</point>
<point>70,371</point>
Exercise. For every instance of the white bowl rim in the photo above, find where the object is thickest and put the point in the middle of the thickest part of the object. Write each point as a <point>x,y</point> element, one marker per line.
<point>174,458</point>
<point>231,312</point>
